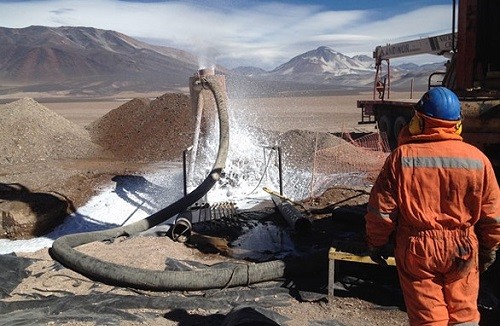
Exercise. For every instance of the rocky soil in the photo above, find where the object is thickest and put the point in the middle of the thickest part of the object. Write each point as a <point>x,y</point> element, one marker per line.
<point>49,157</point>
<point>145,130</point>
<point>31,133</point>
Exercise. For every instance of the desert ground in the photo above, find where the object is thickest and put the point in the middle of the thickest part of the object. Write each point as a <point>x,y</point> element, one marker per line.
<point>315,113</point>
<point>46,289</point>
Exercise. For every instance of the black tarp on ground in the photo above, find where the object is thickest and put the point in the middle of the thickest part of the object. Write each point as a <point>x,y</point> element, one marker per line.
<point>143,306</point>
<point>111,309</point>
<point>12,272</point>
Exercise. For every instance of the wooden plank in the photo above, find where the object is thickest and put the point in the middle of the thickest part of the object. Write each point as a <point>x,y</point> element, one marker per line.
<point>333,254</point>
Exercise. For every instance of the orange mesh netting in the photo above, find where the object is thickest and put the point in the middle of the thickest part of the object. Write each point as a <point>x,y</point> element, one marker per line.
<point>355,162</point>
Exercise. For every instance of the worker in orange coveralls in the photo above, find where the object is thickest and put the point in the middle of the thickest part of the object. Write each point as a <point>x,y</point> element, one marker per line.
<point>440,199</point>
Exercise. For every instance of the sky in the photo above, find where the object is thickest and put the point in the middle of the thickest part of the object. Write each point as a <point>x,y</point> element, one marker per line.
<point>257,33</point>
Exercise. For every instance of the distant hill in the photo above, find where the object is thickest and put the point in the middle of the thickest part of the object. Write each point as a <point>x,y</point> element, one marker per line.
<point>84,61</point>
<point>323,60</point>
<point>248,71</point>
<point>88,61</point>
<point>324,69</point>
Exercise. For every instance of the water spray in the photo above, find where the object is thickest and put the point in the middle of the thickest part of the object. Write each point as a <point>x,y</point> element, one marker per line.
<point>63,248</point>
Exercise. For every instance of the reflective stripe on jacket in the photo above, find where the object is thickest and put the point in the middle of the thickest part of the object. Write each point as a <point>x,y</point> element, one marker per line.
<point>435,181</point>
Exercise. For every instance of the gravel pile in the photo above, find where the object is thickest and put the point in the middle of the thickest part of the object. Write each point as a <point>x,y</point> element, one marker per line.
<point>31,132</point>
<point>144,130</point>
<point>299,146</point>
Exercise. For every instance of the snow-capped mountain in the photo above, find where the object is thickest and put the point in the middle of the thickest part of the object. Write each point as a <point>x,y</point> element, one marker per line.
<point>325,60</point>
<point>326,69</point>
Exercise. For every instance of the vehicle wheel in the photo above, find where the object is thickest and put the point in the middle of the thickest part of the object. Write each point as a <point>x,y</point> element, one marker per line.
<point>399,123</point>
<point>385,125</point>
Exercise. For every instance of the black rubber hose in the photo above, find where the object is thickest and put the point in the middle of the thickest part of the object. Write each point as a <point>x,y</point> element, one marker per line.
<point>63,248</point>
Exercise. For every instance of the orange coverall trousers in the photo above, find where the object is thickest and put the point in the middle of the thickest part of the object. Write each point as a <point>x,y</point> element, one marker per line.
<point>439,269</point>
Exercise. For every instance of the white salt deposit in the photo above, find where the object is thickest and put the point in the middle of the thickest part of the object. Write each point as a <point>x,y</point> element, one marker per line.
<point>122,203</point>
<point>133,198</point>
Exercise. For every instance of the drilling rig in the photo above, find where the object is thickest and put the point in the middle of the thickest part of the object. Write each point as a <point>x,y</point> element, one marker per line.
<point>472,72</point>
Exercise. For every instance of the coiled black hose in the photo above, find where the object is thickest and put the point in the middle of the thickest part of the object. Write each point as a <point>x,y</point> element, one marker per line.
<point>243,274</point>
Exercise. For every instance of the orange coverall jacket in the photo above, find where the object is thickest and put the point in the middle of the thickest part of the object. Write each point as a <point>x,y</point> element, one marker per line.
<point>441,198</point>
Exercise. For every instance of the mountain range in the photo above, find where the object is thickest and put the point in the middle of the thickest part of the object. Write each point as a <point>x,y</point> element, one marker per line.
<point>84,61</point>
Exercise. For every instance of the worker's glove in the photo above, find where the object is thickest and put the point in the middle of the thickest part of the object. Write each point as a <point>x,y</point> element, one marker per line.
<point>486,258</point>
<point>380,254</point>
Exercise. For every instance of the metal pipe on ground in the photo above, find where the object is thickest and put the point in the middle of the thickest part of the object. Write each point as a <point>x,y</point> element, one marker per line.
<point>181,229</point>
<point>294,218</point>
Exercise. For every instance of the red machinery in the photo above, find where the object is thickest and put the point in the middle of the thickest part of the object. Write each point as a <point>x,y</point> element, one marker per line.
<point>473,73</point>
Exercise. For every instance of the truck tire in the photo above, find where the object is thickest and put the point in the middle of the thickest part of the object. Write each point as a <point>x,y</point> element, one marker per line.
<point>385,125</point>
<point>399,123</point>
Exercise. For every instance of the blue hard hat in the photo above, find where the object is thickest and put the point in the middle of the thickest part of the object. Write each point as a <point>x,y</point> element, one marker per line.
<point>441,103</point>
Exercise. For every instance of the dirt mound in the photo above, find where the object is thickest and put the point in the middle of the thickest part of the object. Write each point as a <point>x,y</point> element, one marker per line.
<point>299,146</point>
<point>145,130</point>
<point>31,132</point>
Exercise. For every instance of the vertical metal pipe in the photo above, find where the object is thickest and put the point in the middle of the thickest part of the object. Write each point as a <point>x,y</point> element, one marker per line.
<point>280,170</point>
<point>388,80</point>
<point>453,46</point>
<point>197,131</point>
<point>184,170</point>
<point>376,80</point>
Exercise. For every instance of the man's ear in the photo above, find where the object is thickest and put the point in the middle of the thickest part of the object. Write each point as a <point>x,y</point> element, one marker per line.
<point>416,125</point>
<point>458,127</point>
